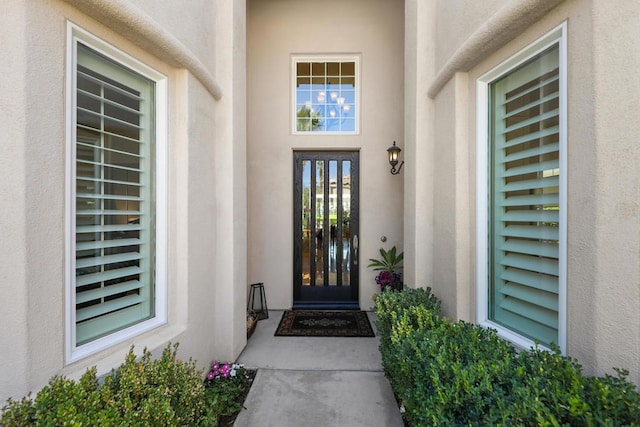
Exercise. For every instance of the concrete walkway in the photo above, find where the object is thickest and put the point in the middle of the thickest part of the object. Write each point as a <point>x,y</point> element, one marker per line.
<point>315,381</point>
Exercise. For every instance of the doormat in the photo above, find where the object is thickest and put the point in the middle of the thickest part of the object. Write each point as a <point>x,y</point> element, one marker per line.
<point>317,323</point>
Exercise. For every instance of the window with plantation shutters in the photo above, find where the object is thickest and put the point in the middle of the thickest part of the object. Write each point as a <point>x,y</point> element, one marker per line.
<point>114,206</point>
<point>524,198</point>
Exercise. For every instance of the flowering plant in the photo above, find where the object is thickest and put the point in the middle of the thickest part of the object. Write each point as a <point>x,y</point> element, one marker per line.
<point>389,281</point>
<point>221,371</point>
<point>387,264</point>
<point>225,387</point>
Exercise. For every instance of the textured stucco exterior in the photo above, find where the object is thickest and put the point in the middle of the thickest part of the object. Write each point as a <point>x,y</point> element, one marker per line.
<point>603,277</point>
<point>206,179</point>
<point>276,30</point>
<point>230,146</point>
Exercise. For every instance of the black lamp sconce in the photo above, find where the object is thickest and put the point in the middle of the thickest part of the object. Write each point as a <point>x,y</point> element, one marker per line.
<point>394,151</point>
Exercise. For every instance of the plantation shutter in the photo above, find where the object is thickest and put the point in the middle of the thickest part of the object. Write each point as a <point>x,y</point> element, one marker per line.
<point>524,247</point>
<point>114,206</point>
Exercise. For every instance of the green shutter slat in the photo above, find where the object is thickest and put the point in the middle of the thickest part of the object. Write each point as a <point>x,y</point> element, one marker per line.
<point>531,232</point>
<point>552,199</point>
<point>534,136</point>
<point>532,312</point>
<point>107,291</point>
<point>109,165</point>
<point>533,120</point>
<point>530,184</point>
<point>107,307</point>
<point>97,327</point>
<point>87,279</point>
<point>103,244</point>
<point>531,295</point>
<point>540,84</point>
<point>531,247</point>
<point>100,82</point>
<point>107,196</point>
<point>536,151</point>
<point>531,263</point>
<point>531,279</point>
<point>107,212</point>
<point>107,259</point>
<point>110,118</point>
<point>531,168</point>
<point>545,335</point>
<point>104,132</point>
<point>85,94</point>
<point>531,215</point>
<point>107,228</point>
<point>99,149</point>
<point>530,105</point>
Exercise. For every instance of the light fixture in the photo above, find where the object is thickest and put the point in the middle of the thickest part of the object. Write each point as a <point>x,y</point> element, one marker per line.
<point>394,151</point>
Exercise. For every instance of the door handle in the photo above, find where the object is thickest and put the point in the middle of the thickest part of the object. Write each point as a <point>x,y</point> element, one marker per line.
<point>355,249</point>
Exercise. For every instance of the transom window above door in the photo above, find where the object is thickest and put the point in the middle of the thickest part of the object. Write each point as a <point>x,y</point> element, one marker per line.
<point>325,94</point>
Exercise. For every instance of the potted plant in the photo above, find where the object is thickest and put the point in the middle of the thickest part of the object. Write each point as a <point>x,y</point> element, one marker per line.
<point>391,261</point>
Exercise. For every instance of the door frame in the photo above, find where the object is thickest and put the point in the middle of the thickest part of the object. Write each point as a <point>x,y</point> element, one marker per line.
<point>353,301</point>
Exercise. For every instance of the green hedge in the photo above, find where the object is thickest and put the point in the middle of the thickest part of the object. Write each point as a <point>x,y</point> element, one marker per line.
<point>141,392</point>
<point>446,373</point>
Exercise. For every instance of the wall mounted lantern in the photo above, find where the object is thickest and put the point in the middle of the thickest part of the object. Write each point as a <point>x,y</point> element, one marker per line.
<point>394,151</point>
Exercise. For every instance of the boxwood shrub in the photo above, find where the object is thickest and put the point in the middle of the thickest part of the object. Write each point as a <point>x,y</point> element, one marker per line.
<point>457,373</point>
<point>142,391</point>
<point>391,304</point>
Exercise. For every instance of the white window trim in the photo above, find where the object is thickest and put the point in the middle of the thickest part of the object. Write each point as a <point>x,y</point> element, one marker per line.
<point>323,58</point>
<point>556,36</point>
<point>73,352</point>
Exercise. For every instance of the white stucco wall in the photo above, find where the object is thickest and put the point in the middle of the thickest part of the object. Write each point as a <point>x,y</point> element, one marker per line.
<point>206,180</point>
<point>456,21</point>
<point>603,289</point>
<point>277,29</point>
<point>420,49</point>
<point>604,224</point>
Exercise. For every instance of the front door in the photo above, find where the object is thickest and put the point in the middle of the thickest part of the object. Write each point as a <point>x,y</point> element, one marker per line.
<point>325,231</point>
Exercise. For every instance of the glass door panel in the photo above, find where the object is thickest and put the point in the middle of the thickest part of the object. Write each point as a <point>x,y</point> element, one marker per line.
<point>308,232</point>
<point>319,222</point>
<point>325,250</point>
<point>345,221</point>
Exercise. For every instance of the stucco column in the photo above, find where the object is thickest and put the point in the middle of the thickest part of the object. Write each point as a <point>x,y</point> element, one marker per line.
<point>418,199</point>
<point>13,269</point>
<point>230,176</point>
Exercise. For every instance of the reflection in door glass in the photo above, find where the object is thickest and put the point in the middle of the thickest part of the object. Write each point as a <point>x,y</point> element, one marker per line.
<point>333,221</point>
<point>306,223</point>
<point>326,222</point>
<point>346,221</point>
<point>319,223</point>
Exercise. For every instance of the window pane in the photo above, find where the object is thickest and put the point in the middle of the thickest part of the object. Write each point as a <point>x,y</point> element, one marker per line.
<point>303,69</point>
<point>333,69</point>
<point>524,210</point>
<point>318,69</point>
<point>348,68</point>
<point>114,205</point>
<point>326,101</point>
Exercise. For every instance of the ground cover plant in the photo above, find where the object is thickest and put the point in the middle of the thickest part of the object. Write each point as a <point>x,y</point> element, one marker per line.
<point>141,392</point>
<point>226,387</point>
<point>457,373</point>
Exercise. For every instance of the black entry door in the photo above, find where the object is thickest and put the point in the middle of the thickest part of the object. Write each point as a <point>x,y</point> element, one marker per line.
<point>325,273</point>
